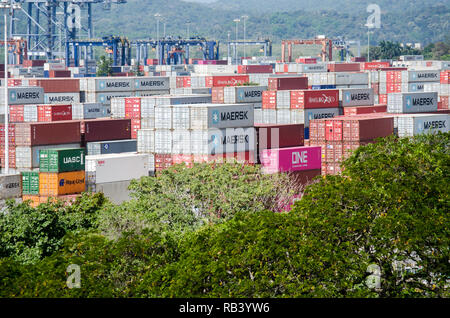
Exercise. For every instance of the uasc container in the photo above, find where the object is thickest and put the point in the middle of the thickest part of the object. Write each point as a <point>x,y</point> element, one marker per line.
<point>61,160</point>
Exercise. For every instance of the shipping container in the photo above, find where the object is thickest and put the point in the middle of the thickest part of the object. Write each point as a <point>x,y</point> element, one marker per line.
<point>106,129</point>
<point>413,125</point>
<point>90,111</point>
<point>279,136</point>
<point>287,83</point>
<point>412,102</point>
<point>23,95</point>
<point>308,99</point>
<point>319,113</point>
<point>363,129</point>
<point>291,159</point>
<point>111,146</point>
<point>357,97</point>
<point>49,113</point>
<point>30,183</point>
<point>61,98</point>
<point>115,167</point>
<point>10,186</point>
<point>28,157</point>
<point>54,184</point>
<point>243,94</point>
<point>205,116</point>
<point>225,80</point>
<point>61,160</point>
<point>360,110</point>
<point>36,134</point>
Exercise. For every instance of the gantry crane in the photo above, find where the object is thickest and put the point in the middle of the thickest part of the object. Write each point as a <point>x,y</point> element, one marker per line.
<point>326,52</point>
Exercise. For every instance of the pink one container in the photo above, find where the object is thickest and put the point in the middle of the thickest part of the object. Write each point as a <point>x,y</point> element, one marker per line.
<point>291,159</point>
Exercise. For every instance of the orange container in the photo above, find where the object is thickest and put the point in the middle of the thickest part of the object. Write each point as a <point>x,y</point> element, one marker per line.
<point>33,198</point>
<point>67,199</point>
<point>54,184</point>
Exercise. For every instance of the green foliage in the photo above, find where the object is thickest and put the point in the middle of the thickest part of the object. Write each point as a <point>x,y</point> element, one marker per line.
<point>388,209</point>
<point>438,51</point>
<point>389,50</point>
<point>28,234</point>
<point>182,198</point>
<point>104,66</point>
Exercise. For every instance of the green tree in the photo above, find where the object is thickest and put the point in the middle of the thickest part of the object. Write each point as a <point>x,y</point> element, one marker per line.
<point>104,66</point>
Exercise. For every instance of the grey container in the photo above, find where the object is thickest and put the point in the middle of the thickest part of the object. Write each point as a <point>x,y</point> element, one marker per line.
<point>116,192</point>
<point>243,94</point>
<point>319,113</point>
<point>155,83</point>
<point>10,186</point>
<point>62,98</point>
<point>90,111</point>
<point>114,146</point>
<point>412,102</point>
<point>23,95</point>
<point>109,84</point>
<point>417,124</point>
<point>357,97</point>
<point>421,76</point>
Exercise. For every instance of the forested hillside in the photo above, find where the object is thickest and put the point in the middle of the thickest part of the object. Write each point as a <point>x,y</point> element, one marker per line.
<point>402,21</point>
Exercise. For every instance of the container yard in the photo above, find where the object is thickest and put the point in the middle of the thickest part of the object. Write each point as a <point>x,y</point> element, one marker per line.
<point>64,132</point>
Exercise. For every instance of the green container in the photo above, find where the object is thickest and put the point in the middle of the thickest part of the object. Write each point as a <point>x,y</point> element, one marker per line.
<point>62,160</point>
<point>30,183</point>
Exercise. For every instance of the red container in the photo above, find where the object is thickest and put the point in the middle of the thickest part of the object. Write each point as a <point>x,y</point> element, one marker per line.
<point>333,151</point>
<point>333,129</point>
<point>279,136</point>
<point>11,157</point>
<point>350,146</point>
<point>317,129</point>
<point>366,128</point>
<point>375,65</point>
<point>287,83</point>
<point>106,129</point>
<point>53,133</point>
<point>445,77</point>
<point>226,80</point>
<point>245,157</point>
<point>33,63</point>
<point>12,82</point>
<point>444,103</point>
<point>163,162</point>
<point>48,113</point>
<point>57,85</point>
<point>217,95</point>
<point>269,100</point>
<point>188,160</point>
<point>344,67</point>
<point>376,88</point>
<point>59,73</point>
<point>304,60</point>
<point>382,99</point>
<point>135,126</point>
<point>11,134</point>
<point>254,69</point>
<point>179,82</point>
<point>187,81</point>
<point>309,99</point>
<point>133,107</point>
<point>16,113</point>
<point>358,110</point>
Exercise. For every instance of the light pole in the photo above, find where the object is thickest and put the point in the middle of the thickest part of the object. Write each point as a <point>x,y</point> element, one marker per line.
<point>7,8</point>
<point>188,23</point>
<point>228,48</point>
<point>235,44</point>
<point>157,16</point>
<point>244,17</point>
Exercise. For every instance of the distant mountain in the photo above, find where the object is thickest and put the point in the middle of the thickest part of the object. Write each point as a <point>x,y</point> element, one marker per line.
<point>423,21</point>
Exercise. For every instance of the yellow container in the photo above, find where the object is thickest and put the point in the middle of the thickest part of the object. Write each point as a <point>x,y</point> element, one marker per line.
<point>33,198</point>
<point>54,184</point>
<point>67,199</point>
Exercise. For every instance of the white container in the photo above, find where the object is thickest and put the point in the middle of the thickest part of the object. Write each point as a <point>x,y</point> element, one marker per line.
<point>284,99</point>
<point>342,78</point>
<point>297,116</point>
<point>116,167</point>
<point>413,125</point>
<point>163,117</point>
<point>181,118</point>
<point>30,113</point>
<point>118,108</point>
<point>269,116</point>
<point>283,116</point>
<point>163,141</point>
<point>147,123</point>
<point>181,141</point>
<point>146,140</point>
<point>258,116</point>
<point>199,142</point>
<point>105,98</point>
